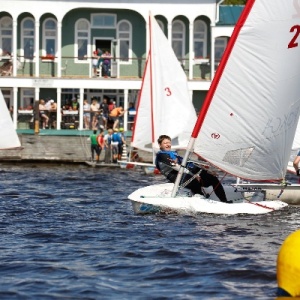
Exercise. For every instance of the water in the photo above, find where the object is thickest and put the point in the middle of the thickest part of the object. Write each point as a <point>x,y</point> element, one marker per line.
<point>69,232</point>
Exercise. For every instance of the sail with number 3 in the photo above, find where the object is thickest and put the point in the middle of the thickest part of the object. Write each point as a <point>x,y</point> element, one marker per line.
<point>164,105</point>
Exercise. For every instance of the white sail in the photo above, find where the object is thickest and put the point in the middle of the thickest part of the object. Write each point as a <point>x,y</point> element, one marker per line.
<point>164,105</point>
<point>8,136</point>
<point>252,108</point>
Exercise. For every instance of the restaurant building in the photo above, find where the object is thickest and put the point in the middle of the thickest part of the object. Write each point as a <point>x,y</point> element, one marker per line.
<point>50,45</point>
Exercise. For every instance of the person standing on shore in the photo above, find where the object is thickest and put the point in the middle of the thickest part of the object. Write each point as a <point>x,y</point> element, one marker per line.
<point>94,146</point>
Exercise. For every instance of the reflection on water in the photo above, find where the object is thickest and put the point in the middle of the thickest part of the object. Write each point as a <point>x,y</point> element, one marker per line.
<point>69,232</point>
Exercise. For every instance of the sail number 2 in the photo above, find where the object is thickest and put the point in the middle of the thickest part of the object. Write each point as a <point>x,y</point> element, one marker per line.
<point>293,43</point>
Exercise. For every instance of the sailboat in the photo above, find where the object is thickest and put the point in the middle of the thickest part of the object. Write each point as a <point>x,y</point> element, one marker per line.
<point>8,135</point>
<point>248,120</point>
<point>164,103</point>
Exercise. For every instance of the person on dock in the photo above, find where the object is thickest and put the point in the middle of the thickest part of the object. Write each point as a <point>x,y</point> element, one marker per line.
<point>288,267</point>
<point>108,147</point>
<point>94,146</point>
<point>168,163</point>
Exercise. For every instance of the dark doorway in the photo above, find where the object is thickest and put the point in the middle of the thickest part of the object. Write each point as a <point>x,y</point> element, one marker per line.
<point>104,45</point>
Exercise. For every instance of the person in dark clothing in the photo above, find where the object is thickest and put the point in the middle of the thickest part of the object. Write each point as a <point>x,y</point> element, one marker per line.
<point>168,162</point>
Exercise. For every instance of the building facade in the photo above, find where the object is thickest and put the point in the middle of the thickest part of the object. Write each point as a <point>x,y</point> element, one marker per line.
<point>50,45</point>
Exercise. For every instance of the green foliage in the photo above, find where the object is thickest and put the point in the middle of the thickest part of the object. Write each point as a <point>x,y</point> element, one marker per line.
<point>234,2</point>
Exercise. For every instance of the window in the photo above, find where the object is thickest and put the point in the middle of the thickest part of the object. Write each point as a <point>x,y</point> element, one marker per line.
<point>220,45</point>
<point>49,37</point>
<point>82,37</point>
<point>161,25</point>
<point>200,39</point>
<point>6,35</point>
<point>7,94</point>
<point>27,42</point>
<point>27,97</point>
<point>103,21</point>
<point>124,36</point>
<point>178,38</point>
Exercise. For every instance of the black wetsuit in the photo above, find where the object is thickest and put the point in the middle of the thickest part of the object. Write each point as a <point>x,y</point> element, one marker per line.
<point>164,161</point>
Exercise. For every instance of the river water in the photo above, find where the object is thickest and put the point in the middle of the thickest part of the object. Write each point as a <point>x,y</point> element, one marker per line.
<point>69,232</point>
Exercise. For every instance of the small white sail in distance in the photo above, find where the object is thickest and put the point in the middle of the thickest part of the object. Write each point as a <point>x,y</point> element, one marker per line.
<point>252,108</point>
<point>164,105</point>
<point>8,135</point>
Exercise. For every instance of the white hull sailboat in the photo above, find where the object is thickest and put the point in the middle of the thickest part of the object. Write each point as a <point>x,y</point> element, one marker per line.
<point>164,104</point>
<point>248,121</point>
<point>8,135</point>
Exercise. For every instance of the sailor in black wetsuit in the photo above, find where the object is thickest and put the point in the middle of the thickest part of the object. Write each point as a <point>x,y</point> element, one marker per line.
<point>168,162</point>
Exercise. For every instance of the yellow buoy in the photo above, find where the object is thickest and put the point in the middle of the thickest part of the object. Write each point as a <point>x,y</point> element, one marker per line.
<point>288,265</point>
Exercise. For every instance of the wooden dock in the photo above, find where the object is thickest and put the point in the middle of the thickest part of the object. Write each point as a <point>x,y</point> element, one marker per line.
<point>56,146</point>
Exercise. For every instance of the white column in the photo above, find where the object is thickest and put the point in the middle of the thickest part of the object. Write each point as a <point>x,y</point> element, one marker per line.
<point>170,33</point>
<point>37,93</point>
<point>37,49</point>
<point>212,55</point>
<point>192,53</point>
<point>15,109</point>
<point>81,109</point>
<point>147,38</point>
<point>59,43</point>
<point>58,101</point>
<point>14,47</point>
<point>125,109</point>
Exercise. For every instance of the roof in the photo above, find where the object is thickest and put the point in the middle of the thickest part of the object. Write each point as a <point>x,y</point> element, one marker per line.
<point>229,14</point>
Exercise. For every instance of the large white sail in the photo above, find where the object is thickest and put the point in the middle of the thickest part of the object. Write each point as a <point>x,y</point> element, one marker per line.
<point>252,108</point>
<point>165,105</point>
<point>8,136</point>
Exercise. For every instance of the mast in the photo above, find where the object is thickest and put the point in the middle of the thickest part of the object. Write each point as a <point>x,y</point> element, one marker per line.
<point>151,83</point>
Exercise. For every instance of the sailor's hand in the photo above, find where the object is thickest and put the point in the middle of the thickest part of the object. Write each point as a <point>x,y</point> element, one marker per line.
<point>198,178</point>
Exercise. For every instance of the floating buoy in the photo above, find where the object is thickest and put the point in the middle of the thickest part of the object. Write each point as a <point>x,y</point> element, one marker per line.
<point>288,265</point>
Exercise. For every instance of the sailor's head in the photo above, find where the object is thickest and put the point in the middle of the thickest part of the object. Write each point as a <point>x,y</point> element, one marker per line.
<point>164,142</point>
<point>288,266</point>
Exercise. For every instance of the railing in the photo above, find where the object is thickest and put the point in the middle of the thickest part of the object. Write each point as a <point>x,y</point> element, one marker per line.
<point>81,67</point>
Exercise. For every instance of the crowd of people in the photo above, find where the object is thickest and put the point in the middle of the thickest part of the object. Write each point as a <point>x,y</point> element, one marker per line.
<point>111,143</point>
<point>96,115</point>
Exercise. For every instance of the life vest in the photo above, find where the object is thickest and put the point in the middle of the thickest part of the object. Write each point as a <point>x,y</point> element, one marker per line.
<point>100,140</point>
<point>172,154</point>
<point>116,137</point>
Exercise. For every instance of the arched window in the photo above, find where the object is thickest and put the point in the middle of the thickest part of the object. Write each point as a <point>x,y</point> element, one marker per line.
<point>6,35</point>
<point>82,36</point>
<point>161,25</point>
<point>50,37</point>
<point>200,39</point>
<point>220,45</point>
<point>178,39</point>
<point>125,37</point>
<point>27,39</point>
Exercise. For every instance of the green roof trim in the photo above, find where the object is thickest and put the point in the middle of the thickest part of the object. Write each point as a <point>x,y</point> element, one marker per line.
<point>229,14</point>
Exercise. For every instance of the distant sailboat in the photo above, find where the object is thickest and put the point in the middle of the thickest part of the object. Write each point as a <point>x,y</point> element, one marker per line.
<point>164,105</point>
<point>247,124</point>
<point>8,135</point>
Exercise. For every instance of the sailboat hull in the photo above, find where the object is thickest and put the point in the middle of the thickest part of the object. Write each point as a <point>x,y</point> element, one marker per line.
<point>157,198</point>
